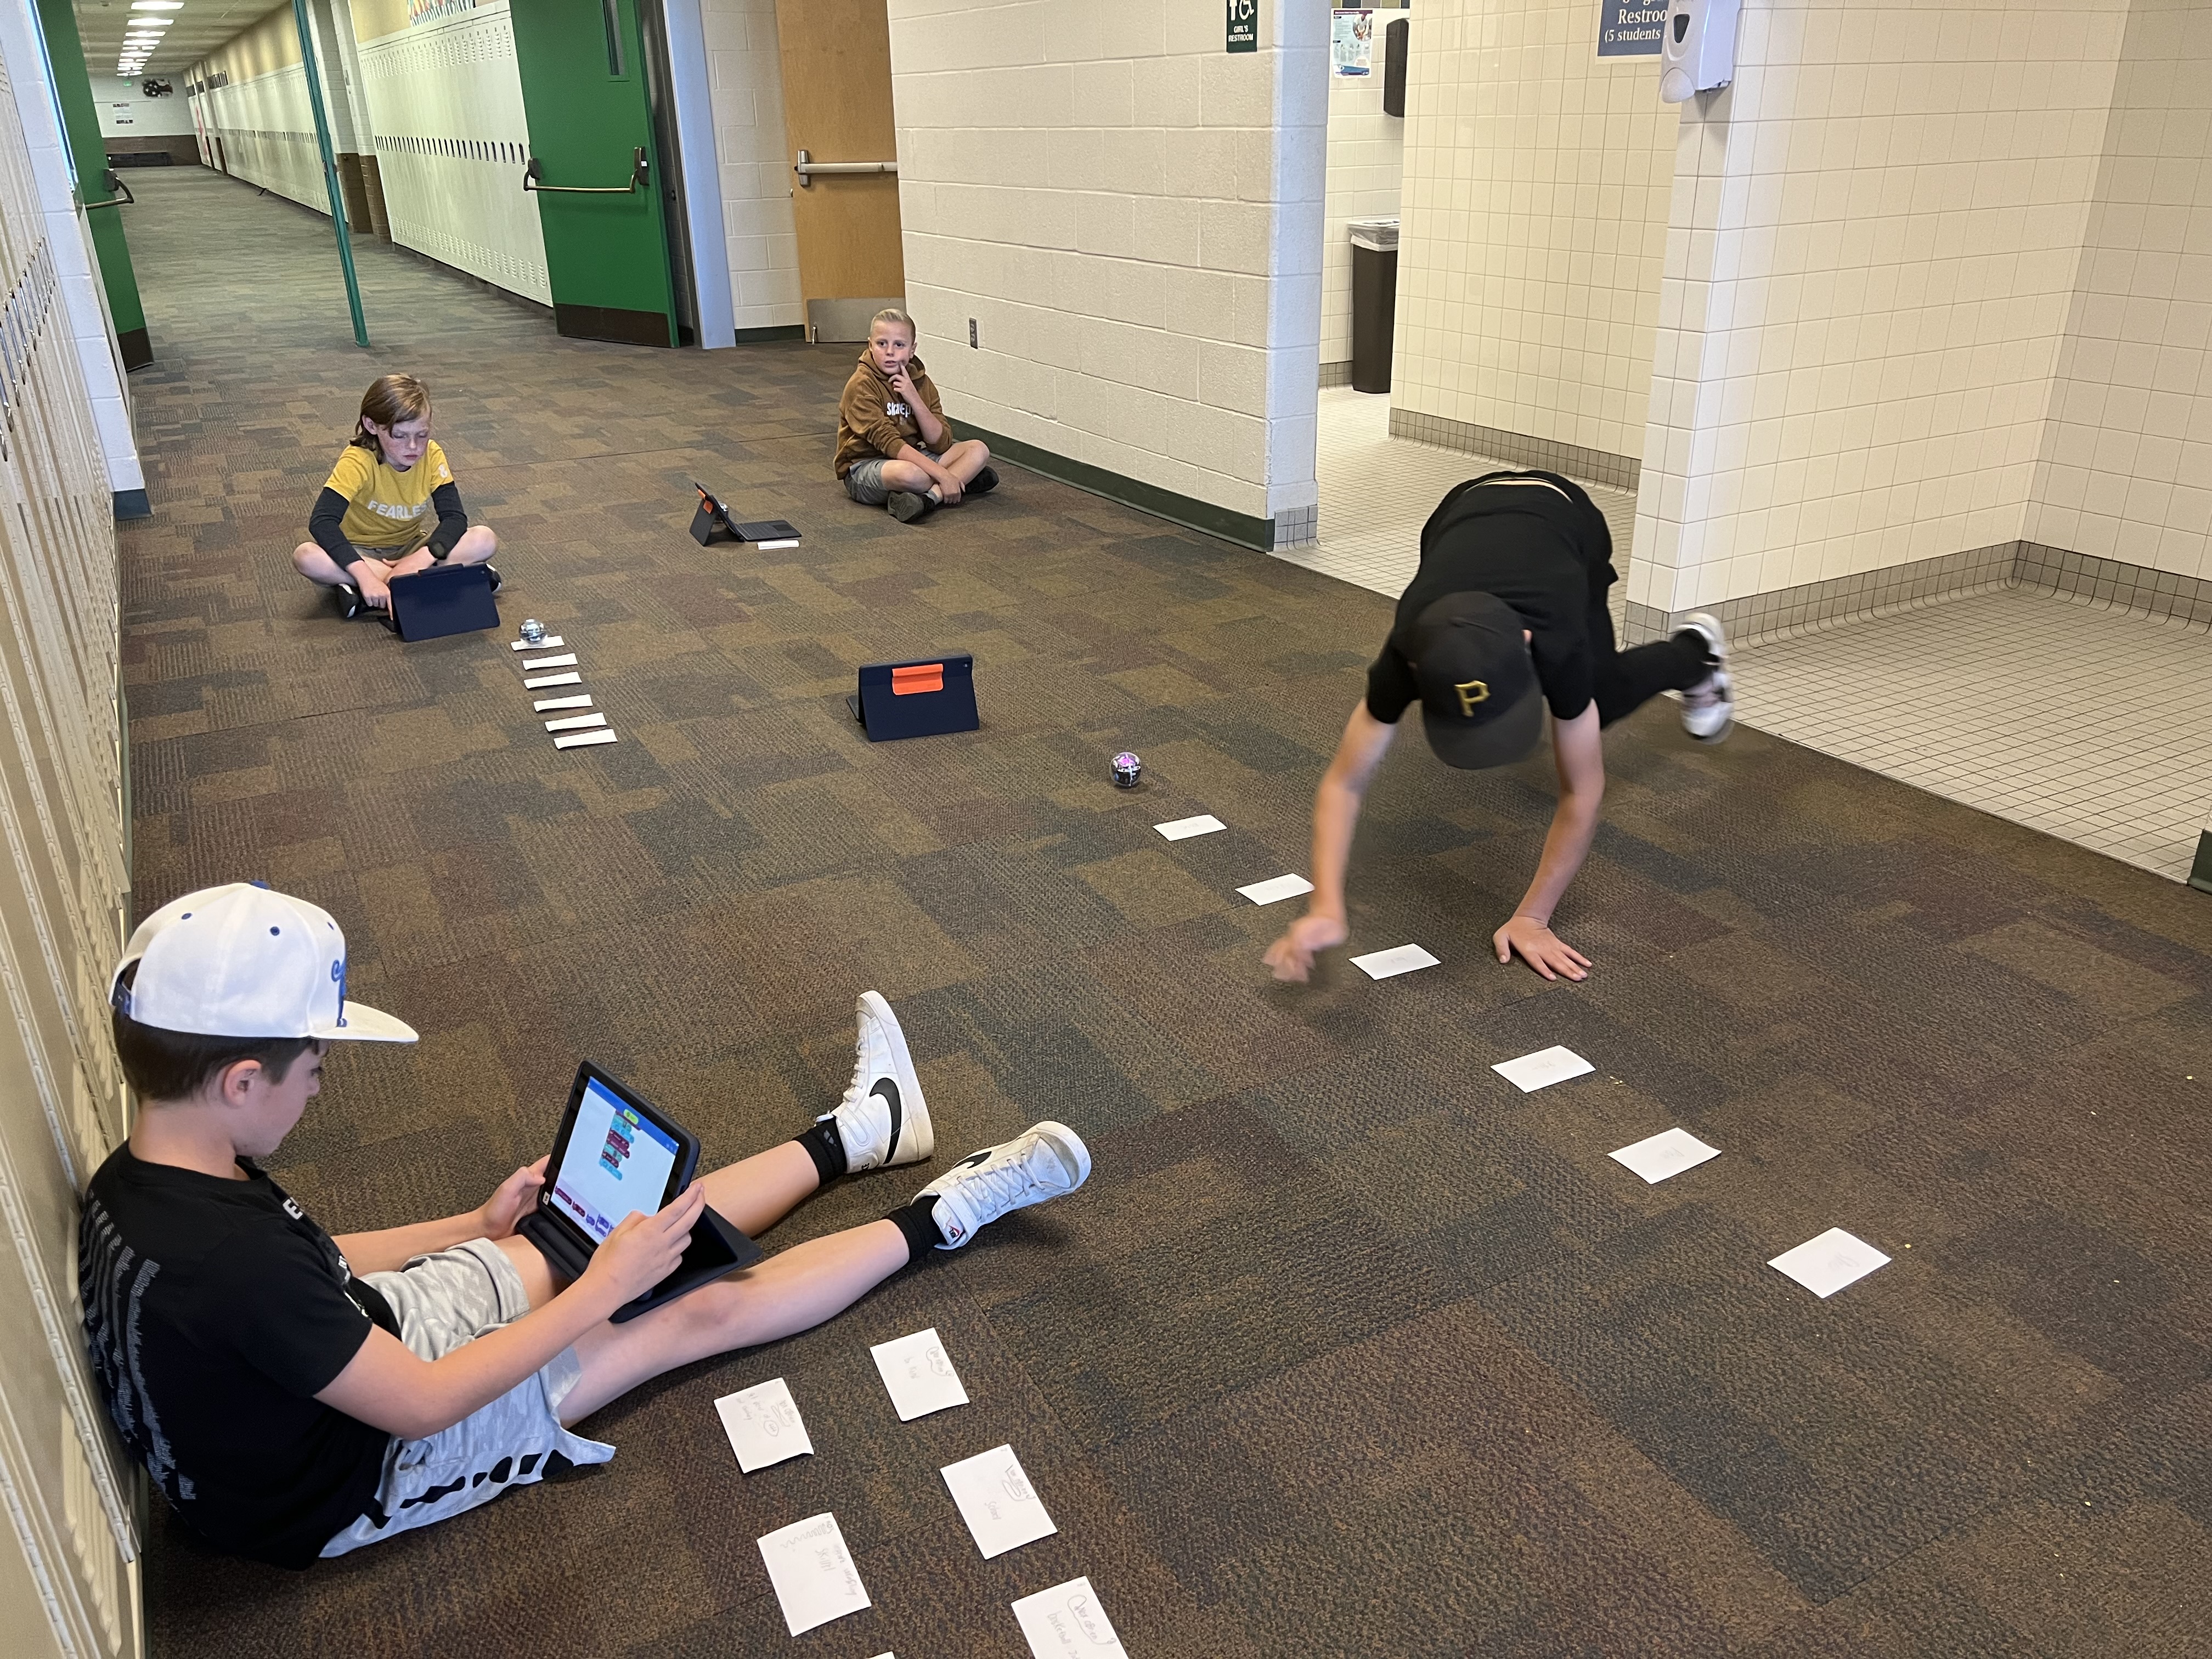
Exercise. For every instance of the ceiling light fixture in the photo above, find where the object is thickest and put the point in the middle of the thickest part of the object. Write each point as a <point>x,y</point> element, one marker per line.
<point>157,5</point>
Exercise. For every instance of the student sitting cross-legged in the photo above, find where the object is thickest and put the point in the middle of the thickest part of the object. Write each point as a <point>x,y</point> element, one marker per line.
<point>894,448</point>
<point>390,506</point>
<point>296,1395</point>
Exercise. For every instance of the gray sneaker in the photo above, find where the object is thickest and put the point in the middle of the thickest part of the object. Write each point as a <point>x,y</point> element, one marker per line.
<point>883,1119</point>
<point>1045,1160</point>
<point>1709,706</point>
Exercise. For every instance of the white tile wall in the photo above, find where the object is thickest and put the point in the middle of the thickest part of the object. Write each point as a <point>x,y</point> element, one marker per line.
<point>2126,469</point>
<point>1366,156</point>
<point>1869,262</point>
<point>1536,181</point>
<point>745,74</point>
<point>1133,217</point>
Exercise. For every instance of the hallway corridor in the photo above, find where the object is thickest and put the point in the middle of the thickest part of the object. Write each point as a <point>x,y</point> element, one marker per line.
<point>1348,1349</point>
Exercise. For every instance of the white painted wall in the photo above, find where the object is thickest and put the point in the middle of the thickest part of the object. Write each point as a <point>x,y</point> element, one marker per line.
<point>1366,158</point>
<point>1871,262</point>
<point>125,112</point>
<point>444,102</point>
<point>1534,221</point>
<point>746,77</point>
<point>1133,217</point>
<point>2126,463</point>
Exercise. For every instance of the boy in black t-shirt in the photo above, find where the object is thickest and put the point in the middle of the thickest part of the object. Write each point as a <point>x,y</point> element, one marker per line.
<point>296,1395</point>
<point>1505,618</point>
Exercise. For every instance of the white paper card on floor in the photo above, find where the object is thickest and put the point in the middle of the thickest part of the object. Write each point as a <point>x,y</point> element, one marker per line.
<point>1282,887</point>
<point>1398,959</point>
<point>550,642</point>
<point>764,1425</point>
<point>1543,1069</point>
<point>770,547</point>
<point>813,1573</point>
<point>566,659</point>
<point>1183,829</point>
<point>576,723</point>
<point>583,740</point>
<point>996,1500</point>
<point>1667,1153</point>
<point>1066,1620</point>
<point>545,703</point>
<point>538,681</point>
<point>919,1375</point>
<point>1825,1265</point>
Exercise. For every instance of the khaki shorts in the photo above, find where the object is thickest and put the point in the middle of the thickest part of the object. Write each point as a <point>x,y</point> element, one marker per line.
<point>444,1301</point>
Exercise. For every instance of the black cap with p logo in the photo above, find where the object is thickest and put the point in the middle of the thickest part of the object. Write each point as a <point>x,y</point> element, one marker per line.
<point>1480,701</point>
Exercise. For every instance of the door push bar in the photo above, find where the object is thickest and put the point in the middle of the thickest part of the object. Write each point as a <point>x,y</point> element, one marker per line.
<point>124,199</point>
<point>807,166</point>
<point>530,175</point>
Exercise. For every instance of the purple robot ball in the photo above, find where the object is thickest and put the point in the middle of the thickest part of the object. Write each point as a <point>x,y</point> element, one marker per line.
<point>1128,769</point>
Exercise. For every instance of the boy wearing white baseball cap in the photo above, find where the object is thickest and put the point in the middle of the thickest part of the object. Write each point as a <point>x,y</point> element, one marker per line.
<point>296,1395</point>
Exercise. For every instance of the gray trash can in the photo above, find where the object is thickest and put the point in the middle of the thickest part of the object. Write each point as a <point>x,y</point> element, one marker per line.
<point>1374,302</point>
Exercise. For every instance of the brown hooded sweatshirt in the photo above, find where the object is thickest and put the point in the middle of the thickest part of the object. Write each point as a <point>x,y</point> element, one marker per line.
<point>871,422</point>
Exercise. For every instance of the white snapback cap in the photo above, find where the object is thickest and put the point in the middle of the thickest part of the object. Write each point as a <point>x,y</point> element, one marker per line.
<point>241,961</point>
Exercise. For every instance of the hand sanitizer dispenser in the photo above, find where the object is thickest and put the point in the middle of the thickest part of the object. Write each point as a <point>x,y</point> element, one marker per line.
<point>1698,53</point>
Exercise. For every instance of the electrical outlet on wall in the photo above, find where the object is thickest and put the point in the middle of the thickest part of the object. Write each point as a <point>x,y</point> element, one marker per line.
<point>972,341</point>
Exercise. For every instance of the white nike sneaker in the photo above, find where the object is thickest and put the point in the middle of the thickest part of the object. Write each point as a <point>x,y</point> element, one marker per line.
<point>883,1119</point>
<point>1045,1160</point>
<point>1709,708</point>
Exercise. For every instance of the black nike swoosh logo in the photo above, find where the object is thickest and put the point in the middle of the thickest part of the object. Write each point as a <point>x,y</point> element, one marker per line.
<point>888,1088</point>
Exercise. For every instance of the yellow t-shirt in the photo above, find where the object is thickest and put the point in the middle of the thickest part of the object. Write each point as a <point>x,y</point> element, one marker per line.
<point>385,508</point>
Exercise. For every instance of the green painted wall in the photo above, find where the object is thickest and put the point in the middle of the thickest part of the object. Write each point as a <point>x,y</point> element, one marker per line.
<point>89,151</point>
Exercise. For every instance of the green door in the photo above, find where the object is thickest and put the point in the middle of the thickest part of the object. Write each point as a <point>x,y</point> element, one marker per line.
<point>594,169</point>
<point>96,187</point>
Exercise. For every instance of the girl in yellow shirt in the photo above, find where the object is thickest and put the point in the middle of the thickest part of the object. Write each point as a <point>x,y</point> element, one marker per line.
<point>390,506</point>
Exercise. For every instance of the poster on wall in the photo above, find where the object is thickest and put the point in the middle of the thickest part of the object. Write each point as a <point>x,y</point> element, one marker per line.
<point>1351,42</point>
<point>1630,28</point>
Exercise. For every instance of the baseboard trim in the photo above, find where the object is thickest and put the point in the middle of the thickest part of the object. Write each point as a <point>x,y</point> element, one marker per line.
<point>1592,465</point>
<point>2200,873</point>
<point>2082,578</point>
<point>1192,513</point>
<point>137,348</point>
<point>1336,374</point>
<point>763,336</point>
<point>132,504</point>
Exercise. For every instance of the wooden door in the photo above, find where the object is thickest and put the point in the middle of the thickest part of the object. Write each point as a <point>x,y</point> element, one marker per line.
<point>837,107</point>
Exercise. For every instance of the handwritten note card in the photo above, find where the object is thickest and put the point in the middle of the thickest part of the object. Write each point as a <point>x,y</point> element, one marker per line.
<point>1066,1620</point>
<point>1183,829</point>
<point>996,1500</point>
<point>1399,959</point>
<point>1543,1069</point>
<point>764,1425</point>
<point>1282,887</point>
<point>813,1573</point>
<point>919,1375</point>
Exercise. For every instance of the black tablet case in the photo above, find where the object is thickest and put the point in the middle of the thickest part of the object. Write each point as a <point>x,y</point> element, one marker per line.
<point>908,700</point>
<point>716,1249</point>
<point>447,598</point>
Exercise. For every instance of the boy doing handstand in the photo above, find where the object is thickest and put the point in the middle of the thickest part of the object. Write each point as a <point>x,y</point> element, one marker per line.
<point>296,1395</point>
<point>894,448</point>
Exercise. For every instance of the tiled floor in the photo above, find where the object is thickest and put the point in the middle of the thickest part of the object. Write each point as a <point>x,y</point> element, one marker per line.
<point>2094,726</point>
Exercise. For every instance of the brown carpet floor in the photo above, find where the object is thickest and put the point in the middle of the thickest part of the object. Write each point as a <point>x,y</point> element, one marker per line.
<point>1349,1348</point>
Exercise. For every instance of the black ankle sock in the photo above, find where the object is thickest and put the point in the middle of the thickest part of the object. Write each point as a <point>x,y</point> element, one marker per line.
<point>917,1221</point>
<point>824,1147</point>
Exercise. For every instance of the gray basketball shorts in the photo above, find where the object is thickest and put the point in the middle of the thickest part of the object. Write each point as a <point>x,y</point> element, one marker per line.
<point>443,1301</point>
<point>864,483</point>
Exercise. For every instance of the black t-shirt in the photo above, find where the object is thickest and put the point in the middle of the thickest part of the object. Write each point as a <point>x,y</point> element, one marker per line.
<point>214,1312</point>
<point>1548,555</point>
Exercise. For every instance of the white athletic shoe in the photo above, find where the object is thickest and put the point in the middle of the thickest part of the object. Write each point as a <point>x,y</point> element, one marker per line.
<point>883,1119</point>
<point>1709,708</point>
<point>1045,1160</point>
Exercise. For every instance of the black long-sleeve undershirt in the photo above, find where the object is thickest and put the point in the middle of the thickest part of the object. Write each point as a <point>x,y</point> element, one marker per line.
<point>326,525</point>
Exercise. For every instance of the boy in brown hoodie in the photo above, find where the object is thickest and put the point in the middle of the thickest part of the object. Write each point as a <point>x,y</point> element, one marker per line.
<point>894,448</point>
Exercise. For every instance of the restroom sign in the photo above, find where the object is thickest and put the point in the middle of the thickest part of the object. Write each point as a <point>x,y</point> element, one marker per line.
<point>1630,28</point>
<point>1244,25</point>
